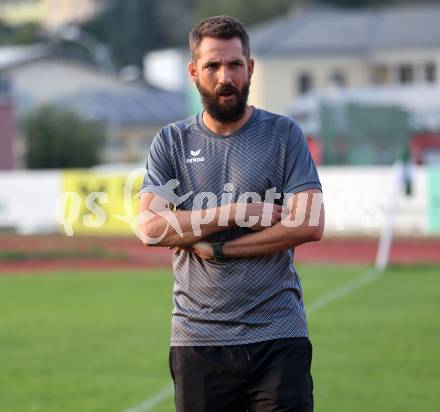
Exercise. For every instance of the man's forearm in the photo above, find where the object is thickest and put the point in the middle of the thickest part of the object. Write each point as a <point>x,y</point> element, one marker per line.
<point>183,228</point>
<point>272,240</point>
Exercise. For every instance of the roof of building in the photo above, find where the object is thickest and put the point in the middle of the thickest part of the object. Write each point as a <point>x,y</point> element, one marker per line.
<point>148,105</point>
<point>334,31</point>
<point>11,56</point>
<point>134,104</point>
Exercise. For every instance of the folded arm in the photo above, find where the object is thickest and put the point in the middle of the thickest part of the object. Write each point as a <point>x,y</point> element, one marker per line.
<point>303,223</point>
<point>160,226</point>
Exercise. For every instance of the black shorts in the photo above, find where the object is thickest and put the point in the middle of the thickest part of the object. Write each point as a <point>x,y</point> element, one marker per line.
<point>259,377</point>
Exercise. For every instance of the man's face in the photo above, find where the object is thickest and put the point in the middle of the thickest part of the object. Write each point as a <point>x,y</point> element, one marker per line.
<point>222,75</point>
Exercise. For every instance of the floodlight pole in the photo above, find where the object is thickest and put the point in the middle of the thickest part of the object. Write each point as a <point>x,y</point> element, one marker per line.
<point>94,46</point>
<point>386,236</point>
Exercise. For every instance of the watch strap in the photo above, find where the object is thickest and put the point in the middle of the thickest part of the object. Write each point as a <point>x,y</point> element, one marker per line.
<point>217,248</point>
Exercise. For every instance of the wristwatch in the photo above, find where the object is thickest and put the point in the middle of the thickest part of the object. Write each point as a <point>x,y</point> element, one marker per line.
<point>217,248</point>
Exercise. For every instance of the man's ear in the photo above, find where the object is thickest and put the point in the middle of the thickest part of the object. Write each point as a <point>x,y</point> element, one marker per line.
<point>251,64</point>
<point>192,70</point>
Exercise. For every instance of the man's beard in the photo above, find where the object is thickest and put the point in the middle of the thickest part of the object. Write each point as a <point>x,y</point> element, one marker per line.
<point>227,111</point>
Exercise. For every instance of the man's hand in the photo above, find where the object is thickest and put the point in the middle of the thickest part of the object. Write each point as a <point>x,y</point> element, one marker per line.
<point>202,249</point>
<point>263,214</point>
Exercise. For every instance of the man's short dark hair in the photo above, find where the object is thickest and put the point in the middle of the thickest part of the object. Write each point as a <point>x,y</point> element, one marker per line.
<point>218,27</point>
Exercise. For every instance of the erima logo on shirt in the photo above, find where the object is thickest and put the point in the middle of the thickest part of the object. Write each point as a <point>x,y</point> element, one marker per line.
<point>194,158</point>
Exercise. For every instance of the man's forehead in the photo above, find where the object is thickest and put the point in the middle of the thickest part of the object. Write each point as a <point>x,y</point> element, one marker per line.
<point>211,48</point>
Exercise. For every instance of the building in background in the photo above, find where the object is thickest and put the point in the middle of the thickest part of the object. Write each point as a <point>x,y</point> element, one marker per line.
<point>132,113</point>
<point>373,125</point>
<point>7,127</point>
<point>320,48</point>
<point>17,12</point>
<point>50,14</point>
<point>168,69</point>
<point>132,117</point>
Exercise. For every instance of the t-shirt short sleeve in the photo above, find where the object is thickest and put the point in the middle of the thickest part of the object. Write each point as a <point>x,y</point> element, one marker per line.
<point>300,173</point>
<point>159,175</point>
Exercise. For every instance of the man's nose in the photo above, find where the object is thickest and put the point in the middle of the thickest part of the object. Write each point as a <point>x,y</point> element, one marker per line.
<point>224,76</point>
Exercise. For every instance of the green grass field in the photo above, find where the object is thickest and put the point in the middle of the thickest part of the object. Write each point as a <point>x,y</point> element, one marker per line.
<point>89,342</point>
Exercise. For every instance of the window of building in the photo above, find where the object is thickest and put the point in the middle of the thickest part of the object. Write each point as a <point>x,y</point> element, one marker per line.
<point>338,78</point>
<point>406,73</point>
<point>381,74</point>
<point>305,83</point>
<point>5,86</point>
<point>430,72</point>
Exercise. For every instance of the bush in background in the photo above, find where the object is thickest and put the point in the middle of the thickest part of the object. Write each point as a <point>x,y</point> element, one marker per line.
<point>57,138</point>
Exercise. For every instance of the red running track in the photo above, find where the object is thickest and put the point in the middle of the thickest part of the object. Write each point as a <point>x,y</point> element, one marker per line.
<point>137,256</point>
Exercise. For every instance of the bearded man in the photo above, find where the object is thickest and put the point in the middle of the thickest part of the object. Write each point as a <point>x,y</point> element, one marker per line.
<point>244,192</point>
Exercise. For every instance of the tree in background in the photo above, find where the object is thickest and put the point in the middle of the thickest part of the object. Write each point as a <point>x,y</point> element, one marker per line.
<point>132,28</point>
<point>20,35</point>
<point>58,138</point>
<point>248,11</point>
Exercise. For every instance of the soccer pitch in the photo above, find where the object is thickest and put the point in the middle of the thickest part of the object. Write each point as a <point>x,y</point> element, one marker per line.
<point>98,341</point>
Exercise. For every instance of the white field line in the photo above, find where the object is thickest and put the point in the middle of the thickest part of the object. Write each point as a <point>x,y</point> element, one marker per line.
<point>336,294</point>
<point>344,290</point>
<point>150,403</point>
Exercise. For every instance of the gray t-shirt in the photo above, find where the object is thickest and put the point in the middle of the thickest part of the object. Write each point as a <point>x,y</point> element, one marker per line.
<point>242,300</point>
